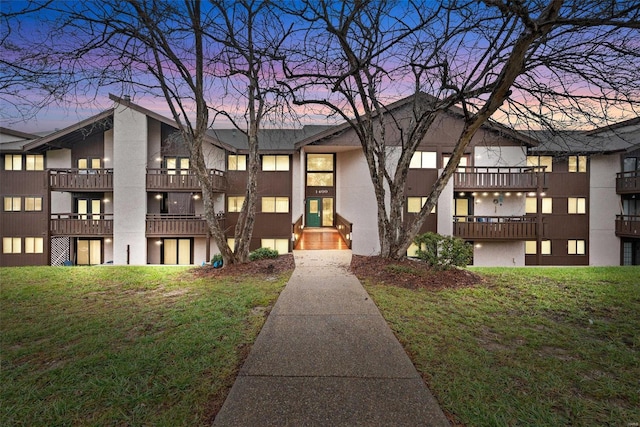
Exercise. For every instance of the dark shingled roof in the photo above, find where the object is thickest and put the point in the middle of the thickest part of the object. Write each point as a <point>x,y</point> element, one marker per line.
<point>606,140</point>
<point>270,140</point>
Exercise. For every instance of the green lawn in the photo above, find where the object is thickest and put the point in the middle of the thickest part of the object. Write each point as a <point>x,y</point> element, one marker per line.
<point>123,345</point>
<point>530,346</point>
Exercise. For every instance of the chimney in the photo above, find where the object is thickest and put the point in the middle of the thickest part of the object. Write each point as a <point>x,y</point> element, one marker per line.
<point>127,98</point>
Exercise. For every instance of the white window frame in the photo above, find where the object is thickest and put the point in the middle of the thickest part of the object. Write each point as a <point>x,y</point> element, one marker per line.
<point>424,160</point>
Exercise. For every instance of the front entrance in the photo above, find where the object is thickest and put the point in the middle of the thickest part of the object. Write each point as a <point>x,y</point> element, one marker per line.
<point>319,212</point>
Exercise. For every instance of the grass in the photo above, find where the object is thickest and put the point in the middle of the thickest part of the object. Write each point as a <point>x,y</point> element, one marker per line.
<point>123,345</point>
<point>530,346</point>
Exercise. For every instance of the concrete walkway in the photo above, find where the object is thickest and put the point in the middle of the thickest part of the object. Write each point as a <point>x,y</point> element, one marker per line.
<point>326,357</point>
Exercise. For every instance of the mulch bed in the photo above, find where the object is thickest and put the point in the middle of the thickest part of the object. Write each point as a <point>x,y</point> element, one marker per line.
<point>260,267</point>
<point>411,274</point>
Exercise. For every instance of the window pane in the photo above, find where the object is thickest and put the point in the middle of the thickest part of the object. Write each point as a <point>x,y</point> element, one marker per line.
<point>268,204</point>
<point>530,247</point>
<point>416,160</point>
<point>184,163</point>
<point>82,163</point>
<point>581,205</point>
<point>242,163</point>
<point>412,250</point>
<point>571,247</point>
<point>580,247</point>
<point>237,162</point>
<point>531,205</point>
<point>282,163</point>
<point>170,251</point>
<point>268,163</point>
<point>546,247</point>
<point>548,162</point>
<point>573,163</point>
<point>282,204</point>
<point>429,160</point>
<point>532,160</point>
<point>320,162</point>
<point>547,205</point>
<point>38,245</point>
<point>414,204</point>
<point>235,203</point>
<point>231,242</point>
<point>184,251</point>
<point>582,163</point>
<point>327,212</point>
<point>282,246</point>
<point>233,162</point>
<point>96,164</point>
<point>83,252</point>
<point>268,243</point>
<point>320,179</point>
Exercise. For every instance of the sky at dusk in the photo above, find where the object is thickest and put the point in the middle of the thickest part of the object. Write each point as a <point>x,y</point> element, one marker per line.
<point>90,97</point>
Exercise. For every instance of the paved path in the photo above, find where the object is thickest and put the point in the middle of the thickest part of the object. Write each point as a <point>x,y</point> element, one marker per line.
<point>326,357</point>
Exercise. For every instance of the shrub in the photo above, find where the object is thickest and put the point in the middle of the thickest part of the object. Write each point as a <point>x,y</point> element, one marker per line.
<point>443,252</point>
<point>263,253</point>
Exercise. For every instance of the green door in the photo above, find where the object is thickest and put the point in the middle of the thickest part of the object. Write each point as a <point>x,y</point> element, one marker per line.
<point>314,211</point>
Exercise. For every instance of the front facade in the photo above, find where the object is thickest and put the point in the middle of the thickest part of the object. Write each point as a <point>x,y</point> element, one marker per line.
<point>117,188</point>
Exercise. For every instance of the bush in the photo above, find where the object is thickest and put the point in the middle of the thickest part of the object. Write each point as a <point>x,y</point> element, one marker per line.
<point>443,252</point>
<point>263,253</point>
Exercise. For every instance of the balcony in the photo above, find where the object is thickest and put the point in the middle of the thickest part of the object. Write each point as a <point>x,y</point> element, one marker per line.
<point>81,179</point>
<point>165,225</point>
<point>169,180</point>
<point>628,226</point>
<point>499,178</point>
<point>628,182</point>
<point>495,227</point>
<point>81,225</point>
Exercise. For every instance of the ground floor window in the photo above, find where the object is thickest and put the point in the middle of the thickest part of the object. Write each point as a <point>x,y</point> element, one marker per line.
<point>11,245</point>
<point>631,252</point>
<point>33,245</point>
<point>89,252</point>
<point>576,247</point>
<point>176,251</point>
<point>530,247</point>
<point>280,245</point>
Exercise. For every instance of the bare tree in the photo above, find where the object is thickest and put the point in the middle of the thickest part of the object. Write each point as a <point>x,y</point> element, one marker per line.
<point>531,63</point>
<point>189,53</point>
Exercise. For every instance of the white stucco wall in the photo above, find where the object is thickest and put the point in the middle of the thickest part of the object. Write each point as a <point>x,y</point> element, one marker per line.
<point>445,209</point>
<point>356,201</point>
<point>108,149</point>
<point>61,202</point>
<point>499,205</point>
<point>604,204</point>
<point>297,185</point>
<point>498,254</point>
<point>499,156</point>
<point>214,157</point>
<point>129,176</point>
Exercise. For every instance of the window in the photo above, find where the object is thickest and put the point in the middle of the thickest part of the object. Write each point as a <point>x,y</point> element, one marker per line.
<point>531,205</point>
<point>414,204</point>
<point>232,243</point>
<point>576,247</point>
<point>13,162</point>
<point>464,162</point>
<point>33,245</point>
<point>631,164</point>
<point>275,163</point>
<point>577,163</point>
<point>234,203</point>
<point>176,251</point>
<point>530,247</point>
<point>237,162</point>
<point>275,204</point>
<point>541,161</point>
<point>33,203</point>
<point>177,165</point>
<point>12,204</point>
<point>320,162</point>
<point>320,179</point>
<point>280,245</point>
<point>577,205</point>
<point>11,245</point>
<point>423,160</point>
<point>94,163</point>
<point>35,162</point>
<point>89,251</point>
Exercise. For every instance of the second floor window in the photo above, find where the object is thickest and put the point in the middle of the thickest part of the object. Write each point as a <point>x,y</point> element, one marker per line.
<point>89,164</point>
<point>576,247</point>
<point>423,160</point>
<point>234,203</point>
<point>531,205</point>
<point>33,203</point>
<point>541,161</point>
<point>275,204</point>
<point>12,204</point>
<point>177,165</point>
<point>11,245</point>
<point>415,204</point>
<point>577,205</point>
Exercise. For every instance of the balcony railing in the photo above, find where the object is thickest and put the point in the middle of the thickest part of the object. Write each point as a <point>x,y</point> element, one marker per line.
<point>628,226</point>
<point>81,179</point>
<point>495,227</point>
<point>178,225</point>
<point>628,182</point>
<point>345,228</point>
<point>73,224</point>
<point>499,178</point>
<point>182,180</point>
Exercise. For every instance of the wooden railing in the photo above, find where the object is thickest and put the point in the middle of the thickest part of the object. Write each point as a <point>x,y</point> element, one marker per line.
<point>183,180</point>
<point>345,228</point>
<point>81,179</point>
<point>296,231</point>
<point>628,182</point>
<point>628,226</point>
<point>499,178</point>
<point>72,224</point>
<point>179,225</point>
<point>495,227</point>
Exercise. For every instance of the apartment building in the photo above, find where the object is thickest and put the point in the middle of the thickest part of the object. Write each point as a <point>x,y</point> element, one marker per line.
<point>117,188</point>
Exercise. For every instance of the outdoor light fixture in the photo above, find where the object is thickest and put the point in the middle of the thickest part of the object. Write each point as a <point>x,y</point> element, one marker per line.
<point>507,194</point>
<point>543,194</point>
<point>496,194</point>
<point>519,194</point>
<point>485,194</point>
<point>531,194</point>
<point>462,193</point>
<point>158,196</point>
<point>105,200</point>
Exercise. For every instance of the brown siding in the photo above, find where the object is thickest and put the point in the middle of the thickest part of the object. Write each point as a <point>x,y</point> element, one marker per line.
<point>92,147</point>
<point>24,224</point>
